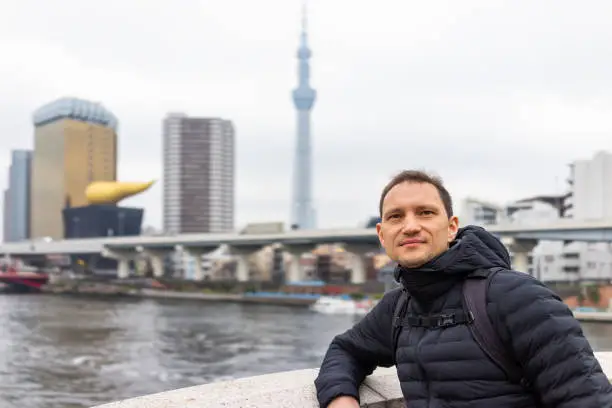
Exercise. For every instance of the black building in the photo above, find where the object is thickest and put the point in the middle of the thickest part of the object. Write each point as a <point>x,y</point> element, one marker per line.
<point>101,220</point>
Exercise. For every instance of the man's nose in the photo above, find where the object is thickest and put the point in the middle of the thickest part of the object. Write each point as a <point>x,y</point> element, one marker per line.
<point>411,225</point>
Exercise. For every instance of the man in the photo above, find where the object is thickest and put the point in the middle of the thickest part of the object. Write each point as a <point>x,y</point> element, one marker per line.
<point>444,367</point>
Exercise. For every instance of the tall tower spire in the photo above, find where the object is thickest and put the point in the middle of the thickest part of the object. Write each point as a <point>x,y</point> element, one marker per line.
<point>302,210</point>
<point>304,18</point>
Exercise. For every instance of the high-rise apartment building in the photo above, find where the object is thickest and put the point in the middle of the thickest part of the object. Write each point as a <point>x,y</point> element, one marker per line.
<point>198,155</point>
<point>75,143</point>
<point>17,197</point>
<point>590,188</point>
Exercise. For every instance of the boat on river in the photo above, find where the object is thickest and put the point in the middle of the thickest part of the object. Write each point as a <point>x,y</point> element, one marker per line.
<point>342,305</point>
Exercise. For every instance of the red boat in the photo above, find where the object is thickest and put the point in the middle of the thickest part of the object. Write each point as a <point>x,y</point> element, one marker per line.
<point>22,281</point>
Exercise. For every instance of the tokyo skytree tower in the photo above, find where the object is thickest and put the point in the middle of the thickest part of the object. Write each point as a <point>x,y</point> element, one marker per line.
<point>302,210</point>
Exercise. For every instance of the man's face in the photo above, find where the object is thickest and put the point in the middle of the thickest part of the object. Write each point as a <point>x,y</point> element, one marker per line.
<point>415,227</point>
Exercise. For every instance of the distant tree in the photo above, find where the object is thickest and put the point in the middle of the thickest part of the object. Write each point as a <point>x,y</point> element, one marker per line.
<point>592,293</point>
<point>357,296</point>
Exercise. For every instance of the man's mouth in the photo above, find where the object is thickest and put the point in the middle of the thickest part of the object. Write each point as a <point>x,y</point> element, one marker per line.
<point>411,242</point>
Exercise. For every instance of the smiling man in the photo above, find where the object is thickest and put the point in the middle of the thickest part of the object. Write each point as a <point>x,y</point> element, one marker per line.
<point>464,330</point>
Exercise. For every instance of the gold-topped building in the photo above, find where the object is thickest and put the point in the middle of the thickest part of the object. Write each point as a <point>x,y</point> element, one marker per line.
<point>102,216</point>
<point>75,144</point>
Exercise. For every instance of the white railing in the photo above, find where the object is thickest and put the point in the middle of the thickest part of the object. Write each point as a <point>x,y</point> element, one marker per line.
<point>293,389</point>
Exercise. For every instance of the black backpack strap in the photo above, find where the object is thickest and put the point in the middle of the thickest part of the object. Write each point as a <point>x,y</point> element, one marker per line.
<point>475,297</point>
<point>398,316</point>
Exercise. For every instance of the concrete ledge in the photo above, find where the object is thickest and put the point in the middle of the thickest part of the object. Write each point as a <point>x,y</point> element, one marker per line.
<point>593,317</point>
<point>293,389</point>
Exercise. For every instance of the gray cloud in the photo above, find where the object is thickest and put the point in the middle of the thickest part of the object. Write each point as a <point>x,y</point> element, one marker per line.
<point>495,96</point>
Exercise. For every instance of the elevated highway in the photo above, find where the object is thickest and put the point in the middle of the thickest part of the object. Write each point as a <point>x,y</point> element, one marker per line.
<point>564,230</point>
<point>520,240</point>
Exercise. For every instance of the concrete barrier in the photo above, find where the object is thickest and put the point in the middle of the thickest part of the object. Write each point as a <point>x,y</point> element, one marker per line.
<point>593,317</point>
<point>293,389</point>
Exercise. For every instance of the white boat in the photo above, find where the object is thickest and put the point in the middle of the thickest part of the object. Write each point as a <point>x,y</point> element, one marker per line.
<point>339,305</point>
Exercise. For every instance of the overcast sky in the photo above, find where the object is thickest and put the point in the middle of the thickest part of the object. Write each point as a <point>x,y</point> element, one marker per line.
<point>495,96</point>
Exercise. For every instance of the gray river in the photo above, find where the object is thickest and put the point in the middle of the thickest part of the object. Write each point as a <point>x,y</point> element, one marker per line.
<point>58,352</point>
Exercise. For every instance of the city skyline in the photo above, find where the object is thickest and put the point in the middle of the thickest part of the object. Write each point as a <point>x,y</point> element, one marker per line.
<point>472,96</point>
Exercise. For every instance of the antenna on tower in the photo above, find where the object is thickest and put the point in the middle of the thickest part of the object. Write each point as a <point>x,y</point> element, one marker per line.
<point>304,16</point>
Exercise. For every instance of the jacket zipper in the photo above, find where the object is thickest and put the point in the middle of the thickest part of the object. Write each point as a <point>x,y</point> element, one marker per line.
<point>422,369</point>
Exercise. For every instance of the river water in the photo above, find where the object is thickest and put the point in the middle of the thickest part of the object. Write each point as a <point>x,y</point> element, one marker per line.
<point>62,352</point>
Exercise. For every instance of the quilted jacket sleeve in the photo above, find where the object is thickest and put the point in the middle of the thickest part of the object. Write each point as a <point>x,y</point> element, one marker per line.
<point>355,354</point>
<point>548,341</point>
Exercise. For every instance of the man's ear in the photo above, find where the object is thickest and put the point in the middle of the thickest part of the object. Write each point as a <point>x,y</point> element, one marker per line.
<point>380,235</point>
<point>453,228</point>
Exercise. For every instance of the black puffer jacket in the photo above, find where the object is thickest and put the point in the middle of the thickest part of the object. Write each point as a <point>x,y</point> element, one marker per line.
<point>444,367</point>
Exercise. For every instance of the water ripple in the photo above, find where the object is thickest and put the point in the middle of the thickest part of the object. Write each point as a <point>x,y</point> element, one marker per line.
<point>75,353</point>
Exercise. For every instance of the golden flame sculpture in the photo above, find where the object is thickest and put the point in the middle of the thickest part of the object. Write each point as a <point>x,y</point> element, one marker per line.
<point>111,192</point>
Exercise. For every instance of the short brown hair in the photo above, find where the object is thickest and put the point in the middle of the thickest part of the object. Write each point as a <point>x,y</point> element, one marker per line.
<point>418,176</point>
